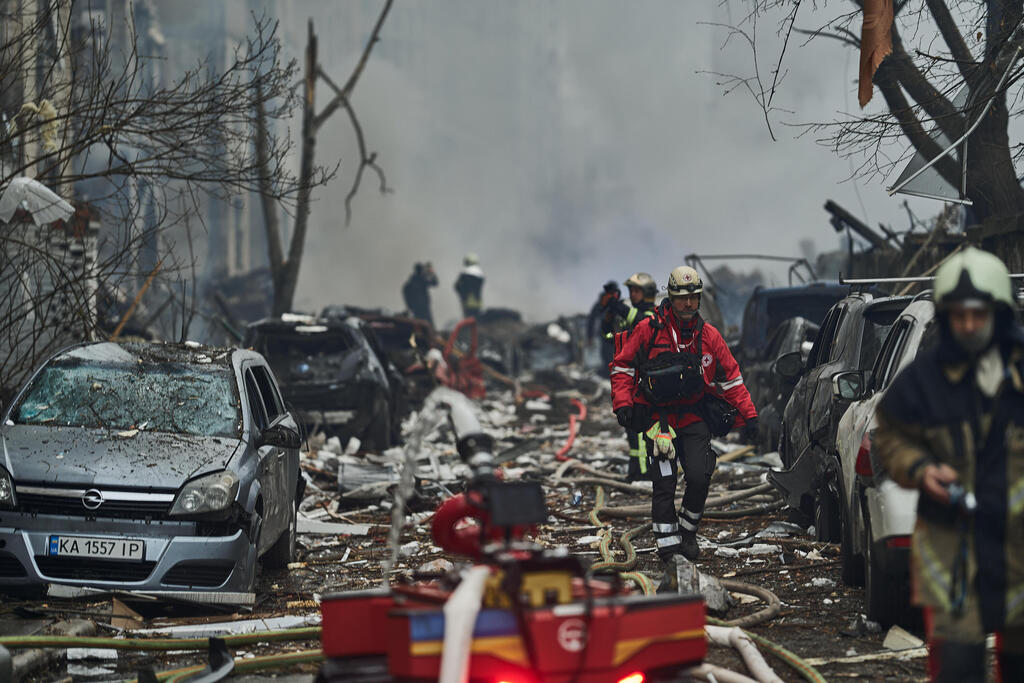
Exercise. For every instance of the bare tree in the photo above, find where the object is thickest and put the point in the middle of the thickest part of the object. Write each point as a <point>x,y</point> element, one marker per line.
<point>81,111</point>
<point>938,48</point>
<point>285,271</point>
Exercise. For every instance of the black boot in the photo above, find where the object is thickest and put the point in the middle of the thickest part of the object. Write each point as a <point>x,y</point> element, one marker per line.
<point>689,547</point>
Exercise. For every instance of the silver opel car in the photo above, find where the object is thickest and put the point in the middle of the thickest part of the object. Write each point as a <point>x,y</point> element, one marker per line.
<point>162,468</point>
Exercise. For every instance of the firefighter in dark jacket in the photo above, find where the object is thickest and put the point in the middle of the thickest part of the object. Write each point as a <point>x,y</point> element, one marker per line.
<point>670,379</point>
<point>952,426</point>
<point>416,291</point>
<point>469,286</point>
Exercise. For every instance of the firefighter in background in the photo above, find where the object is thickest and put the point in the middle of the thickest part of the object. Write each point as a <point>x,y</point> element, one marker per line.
<point>642,290</point>
<point>469,286</point>
<point>602,317</point>
<point>416,291</point>
<point>952,426</point>
<point>670,378</point>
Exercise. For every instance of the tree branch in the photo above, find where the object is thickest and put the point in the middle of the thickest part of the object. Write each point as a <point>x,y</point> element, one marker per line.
<point>954,40</point>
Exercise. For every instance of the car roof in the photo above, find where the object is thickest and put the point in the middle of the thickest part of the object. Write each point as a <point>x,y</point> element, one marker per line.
<point>134,352</point>
<point>890,302</point>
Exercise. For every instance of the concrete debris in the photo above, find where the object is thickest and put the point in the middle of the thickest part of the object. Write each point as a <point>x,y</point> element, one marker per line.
<point>823,582</point>
<point>438,567</point>
<point>899,639</point>
<point>692,580</point>
<point>780,530</point>
<point>724,551</point>
<point>226,628</point>
<point>305,525</point>
<point>760,549</point>
<point>861,626</point>
<point>409,549</point>
<point>79,672</point>
<point>590,541</point>
<point>80,653</point>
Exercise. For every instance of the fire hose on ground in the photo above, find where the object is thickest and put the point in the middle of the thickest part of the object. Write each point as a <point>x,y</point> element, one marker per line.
<point>625,511</point>
<point>186,644</point>
<point>773,604</point>
<point>574,421</point>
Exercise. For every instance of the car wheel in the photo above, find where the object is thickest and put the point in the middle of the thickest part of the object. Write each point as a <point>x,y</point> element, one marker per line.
<point>283,550</point>
<point>852,563</point>
<point>888,599</point>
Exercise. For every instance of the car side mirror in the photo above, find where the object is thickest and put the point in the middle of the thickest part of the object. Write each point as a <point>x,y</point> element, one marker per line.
<point>789,365</point>
<point>849,386</point>
<point>280,436</point>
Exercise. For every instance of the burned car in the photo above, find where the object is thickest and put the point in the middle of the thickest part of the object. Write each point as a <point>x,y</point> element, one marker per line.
<point>769,307</point>
<point>332,376</point>
<point>148,467</point>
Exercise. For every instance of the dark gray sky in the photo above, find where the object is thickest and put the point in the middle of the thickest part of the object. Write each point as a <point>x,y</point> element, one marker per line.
<point>567,142</point>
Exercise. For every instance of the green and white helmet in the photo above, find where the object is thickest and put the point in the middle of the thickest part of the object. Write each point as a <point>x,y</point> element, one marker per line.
<point>973,274</point>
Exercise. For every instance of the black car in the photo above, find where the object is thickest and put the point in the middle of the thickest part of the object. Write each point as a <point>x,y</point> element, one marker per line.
<point>768,308</point>
<point>849,339</point>
<point>332,375</point>
<point>768,390</point>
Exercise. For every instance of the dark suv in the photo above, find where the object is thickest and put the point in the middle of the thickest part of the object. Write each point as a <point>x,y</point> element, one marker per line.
<point>333,375</point>
<point>768,308</point>
<point>849,339</point>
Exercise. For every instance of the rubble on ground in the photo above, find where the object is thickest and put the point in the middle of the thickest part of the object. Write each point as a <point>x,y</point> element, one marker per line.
<point>347,513</point>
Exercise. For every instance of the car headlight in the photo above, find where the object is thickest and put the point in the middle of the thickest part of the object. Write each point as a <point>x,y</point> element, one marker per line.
<point>6,489</point>
<point>212,493</point>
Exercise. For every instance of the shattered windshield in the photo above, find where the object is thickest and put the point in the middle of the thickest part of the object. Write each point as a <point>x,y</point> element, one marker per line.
<point>162,397</point>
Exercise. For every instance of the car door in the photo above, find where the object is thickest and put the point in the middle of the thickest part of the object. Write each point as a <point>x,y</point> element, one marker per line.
<point>844,346</point>
<point>286,460</point>
<point>268,469</point>
<point>797,416</point>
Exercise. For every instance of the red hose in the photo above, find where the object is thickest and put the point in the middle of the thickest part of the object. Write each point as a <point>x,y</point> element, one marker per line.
<point>573,419</point>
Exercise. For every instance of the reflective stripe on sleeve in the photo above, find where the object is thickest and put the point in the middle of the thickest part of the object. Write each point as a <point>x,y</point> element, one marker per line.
<point>618,369</point>
<point>731,383</point>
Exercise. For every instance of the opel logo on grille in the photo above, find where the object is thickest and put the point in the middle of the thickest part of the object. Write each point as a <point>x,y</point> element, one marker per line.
<point>92,499</point>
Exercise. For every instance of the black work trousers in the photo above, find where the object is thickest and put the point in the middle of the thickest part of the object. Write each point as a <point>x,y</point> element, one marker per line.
<point>693,451</point>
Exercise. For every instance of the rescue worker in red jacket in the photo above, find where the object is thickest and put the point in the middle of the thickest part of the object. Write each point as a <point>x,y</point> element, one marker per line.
<point>668,380</point>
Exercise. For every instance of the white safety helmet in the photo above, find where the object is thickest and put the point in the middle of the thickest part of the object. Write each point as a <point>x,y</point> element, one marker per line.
<point>684,280</point>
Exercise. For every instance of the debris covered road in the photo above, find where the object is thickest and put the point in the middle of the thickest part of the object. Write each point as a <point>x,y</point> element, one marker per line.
<point>344,540</point>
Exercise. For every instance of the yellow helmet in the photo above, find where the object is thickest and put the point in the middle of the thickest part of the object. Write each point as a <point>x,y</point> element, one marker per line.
<point>645,282</point>
<point>684,280</point>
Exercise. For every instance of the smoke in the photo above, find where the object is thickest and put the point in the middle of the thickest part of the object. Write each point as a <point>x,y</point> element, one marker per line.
<point>567,143</point>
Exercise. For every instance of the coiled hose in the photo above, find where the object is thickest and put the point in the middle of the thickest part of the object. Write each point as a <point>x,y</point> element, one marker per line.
<point>805,670</point>
<point>624,567</point>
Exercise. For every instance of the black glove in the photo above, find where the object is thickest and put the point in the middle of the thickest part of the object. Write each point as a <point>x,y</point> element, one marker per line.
<point>625,416</point>
<point>749,433</point>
